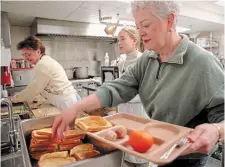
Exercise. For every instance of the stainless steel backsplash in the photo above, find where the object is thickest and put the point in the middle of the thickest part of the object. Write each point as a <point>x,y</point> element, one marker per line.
<point>74,52</point>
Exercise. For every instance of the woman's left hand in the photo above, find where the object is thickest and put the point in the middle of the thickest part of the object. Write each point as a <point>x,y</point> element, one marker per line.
<point>13,98</point>
<point>203,139</point>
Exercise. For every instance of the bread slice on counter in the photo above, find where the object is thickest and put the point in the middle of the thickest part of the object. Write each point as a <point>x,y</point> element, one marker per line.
<point>92,123</point>
<point>55,159</point>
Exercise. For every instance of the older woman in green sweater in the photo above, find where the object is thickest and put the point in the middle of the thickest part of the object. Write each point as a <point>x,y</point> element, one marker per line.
<point>180,82</point>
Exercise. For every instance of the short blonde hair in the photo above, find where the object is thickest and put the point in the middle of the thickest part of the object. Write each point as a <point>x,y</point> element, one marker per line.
<point>133,33</point>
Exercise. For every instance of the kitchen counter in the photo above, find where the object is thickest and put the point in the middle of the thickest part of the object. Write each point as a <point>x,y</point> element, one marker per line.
<point>43,110</point>
<point>96,80</point>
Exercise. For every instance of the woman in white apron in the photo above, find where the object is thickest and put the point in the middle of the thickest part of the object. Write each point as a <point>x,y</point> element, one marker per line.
<point>129,44</point>
<point>50,79</point>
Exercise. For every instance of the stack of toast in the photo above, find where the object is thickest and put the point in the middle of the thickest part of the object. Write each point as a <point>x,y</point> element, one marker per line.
<point>56,159</point>
<point>41,142</point>
<point>70,148</point>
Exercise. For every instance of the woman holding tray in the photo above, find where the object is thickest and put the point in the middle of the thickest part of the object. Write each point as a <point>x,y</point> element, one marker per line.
<point>179,83</point>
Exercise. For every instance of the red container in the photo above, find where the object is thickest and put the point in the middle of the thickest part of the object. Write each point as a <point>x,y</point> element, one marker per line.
<point>5,76</point>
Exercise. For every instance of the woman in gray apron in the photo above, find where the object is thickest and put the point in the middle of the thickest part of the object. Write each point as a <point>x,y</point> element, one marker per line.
<point>129,44</point>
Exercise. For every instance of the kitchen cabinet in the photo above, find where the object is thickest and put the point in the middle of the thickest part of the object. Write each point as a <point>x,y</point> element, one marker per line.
<point>212,42</point>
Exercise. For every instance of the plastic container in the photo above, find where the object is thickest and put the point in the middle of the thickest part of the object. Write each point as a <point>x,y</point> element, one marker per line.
<point>13,64</point>
<point>106,59</point>
<point>22,63</point>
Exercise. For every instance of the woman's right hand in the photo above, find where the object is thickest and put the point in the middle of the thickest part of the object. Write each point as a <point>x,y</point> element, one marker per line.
<point>61,123</point>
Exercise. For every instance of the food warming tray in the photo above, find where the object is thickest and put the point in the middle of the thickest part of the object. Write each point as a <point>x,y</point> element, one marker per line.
<point>26,128</point>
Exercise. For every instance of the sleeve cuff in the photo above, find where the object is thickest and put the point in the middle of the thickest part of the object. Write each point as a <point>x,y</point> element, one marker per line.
<point>103,97</point>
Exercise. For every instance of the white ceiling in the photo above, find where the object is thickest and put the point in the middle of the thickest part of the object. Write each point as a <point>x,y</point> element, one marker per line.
<point>22,13</point>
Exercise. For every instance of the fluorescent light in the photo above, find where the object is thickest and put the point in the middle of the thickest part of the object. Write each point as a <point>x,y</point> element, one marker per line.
<point>182,29</point>
<point>126,1</point>
<point>220,2</point>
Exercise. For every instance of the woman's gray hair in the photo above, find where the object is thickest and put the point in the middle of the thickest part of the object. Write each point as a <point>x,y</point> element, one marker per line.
<point>161,9</point>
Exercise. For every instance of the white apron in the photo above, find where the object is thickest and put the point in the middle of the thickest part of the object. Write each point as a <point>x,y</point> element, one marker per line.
<point>61,101</point>
<point>134,107</point>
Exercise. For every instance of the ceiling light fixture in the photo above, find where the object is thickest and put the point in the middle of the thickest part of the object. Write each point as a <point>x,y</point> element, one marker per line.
<point>220,2</point>
<point>182,29</point>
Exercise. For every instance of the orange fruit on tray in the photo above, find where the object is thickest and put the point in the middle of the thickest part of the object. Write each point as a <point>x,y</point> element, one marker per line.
<point>141,141</point>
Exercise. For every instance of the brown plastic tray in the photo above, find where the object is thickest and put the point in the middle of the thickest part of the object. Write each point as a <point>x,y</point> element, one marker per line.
<point>165,136</point>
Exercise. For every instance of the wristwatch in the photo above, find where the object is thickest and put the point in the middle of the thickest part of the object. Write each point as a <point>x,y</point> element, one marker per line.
<point>221,133</point>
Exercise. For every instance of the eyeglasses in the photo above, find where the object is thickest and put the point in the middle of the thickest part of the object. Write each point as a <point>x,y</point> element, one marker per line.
<point>26,55</point>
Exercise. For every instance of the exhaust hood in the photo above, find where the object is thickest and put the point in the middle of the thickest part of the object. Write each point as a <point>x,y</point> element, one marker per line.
<point>42,27</point>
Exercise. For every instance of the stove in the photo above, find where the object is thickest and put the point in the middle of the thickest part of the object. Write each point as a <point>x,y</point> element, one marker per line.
<point>82,86</point>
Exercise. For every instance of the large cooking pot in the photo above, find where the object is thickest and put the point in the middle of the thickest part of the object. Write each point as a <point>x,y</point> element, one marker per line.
<point>81,72</point>
<point>69,73</point>
<point>94,68</point>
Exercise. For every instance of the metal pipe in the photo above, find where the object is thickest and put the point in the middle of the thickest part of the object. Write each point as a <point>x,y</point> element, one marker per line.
<point>12,130</point>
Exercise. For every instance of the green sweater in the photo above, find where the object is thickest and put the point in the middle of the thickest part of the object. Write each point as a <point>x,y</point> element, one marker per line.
<point>186,90</point>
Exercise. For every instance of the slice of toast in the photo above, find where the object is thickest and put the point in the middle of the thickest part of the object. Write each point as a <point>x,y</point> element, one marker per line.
<point>44,131</point>
<point>92,123</point>
<point>61,154</point>
<point>65,147</point>
<point>70,141</point>
<point>74,134</point>
<point>86,154</point>
<point>41,141</point>
<point>81,148</point>
<point>52,147</point>
<point>40,136</point>
<point>56,162</point>
<point>40,144</point>
<point>36,155</point>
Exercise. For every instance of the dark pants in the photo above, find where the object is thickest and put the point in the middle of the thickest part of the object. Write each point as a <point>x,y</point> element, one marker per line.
<point>128,164</point>
<point>188,162</point>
